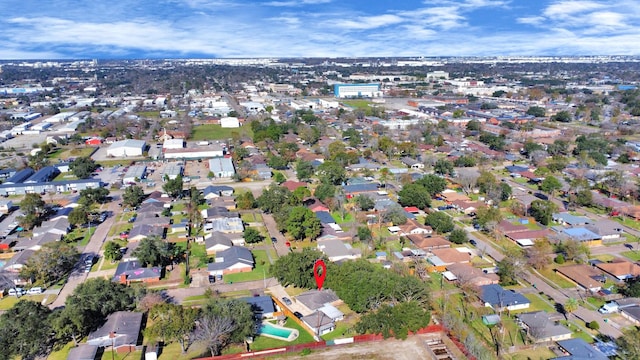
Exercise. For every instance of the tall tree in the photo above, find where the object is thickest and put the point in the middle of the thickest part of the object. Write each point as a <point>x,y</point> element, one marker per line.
<point>172,323</point>
<point>542,211</point>
<point>302,223</point>
<point>296,268</point>
<point>88,197</point>
<point>629,344</point>
<point>173,187</point>
<point>433,183</point>
<point>133,196</point>
<point>153,251</point>
<point>78,216</point>
<point>414,195</point>
<point>440,222</point>
<point>25,331</point>
<point>51,263</point>
<point>538,255</point>
<point>304,170</point>
<point>83,167</point>
<point>550,185</point>
<point>223,322</point>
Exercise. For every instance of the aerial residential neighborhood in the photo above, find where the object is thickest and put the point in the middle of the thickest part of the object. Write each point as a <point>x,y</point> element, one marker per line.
<point>465,209</point>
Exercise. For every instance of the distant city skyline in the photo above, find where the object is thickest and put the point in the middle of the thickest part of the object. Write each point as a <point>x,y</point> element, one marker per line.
<point>120,29</point>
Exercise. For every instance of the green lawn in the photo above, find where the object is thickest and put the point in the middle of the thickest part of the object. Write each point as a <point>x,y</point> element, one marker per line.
<point>251,218</point>
<point>108,355</point>
<point>263,342</point>
<point>358,104</point>
<point>537,353</point>
<point>557,278</point>
<point>216,132</point>
<point>348,217</point>
<point>72,152</point>
<point>62,353</point>
<point>632,255</point>
<point>537,303</point>
<point>260,271</point>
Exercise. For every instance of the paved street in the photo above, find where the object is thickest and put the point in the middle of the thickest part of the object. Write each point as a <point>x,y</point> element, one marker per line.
<point>558,295</point>
<point>93,247</point>
<point>178,295</point>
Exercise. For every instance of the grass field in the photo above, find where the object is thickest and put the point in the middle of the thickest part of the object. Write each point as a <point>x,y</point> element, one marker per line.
<point>73,152</point>
<point>557,278</point>
<point>632,255</point>
<point>216,132</point>
<point>260,271</point>
<point>537,303</point>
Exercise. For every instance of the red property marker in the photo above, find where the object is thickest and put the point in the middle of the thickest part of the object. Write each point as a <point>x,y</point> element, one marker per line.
<point>320,277</point>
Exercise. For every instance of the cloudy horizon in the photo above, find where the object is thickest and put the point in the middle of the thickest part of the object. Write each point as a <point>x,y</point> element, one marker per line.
<point>66,29</point>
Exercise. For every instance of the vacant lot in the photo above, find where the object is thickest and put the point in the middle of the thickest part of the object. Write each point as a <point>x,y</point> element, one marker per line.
<point>216,132</point>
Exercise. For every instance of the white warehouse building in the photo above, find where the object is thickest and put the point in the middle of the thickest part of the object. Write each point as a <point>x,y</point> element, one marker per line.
<point>126,148</point>
<point>229,122</point>
<point>357,91</point>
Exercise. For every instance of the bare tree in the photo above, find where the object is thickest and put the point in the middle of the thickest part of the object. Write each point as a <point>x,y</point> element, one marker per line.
<point>215,332</point>
<point>467,179</point>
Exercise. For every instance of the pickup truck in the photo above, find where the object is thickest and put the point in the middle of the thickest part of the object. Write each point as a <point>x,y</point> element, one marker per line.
<point>609,308</point>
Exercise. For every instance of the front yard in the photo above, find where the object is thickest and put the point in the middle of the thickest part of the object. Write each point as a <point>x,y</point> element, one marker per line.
<point>260,271</point>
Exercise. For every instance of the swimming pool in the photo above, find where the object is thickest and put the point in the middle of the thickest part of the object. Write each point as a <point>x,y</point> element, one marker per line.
<point>278,332</point>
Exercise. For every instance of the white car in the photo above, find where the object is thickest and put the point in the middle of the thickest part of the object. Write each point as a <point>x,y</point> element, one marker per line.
<point>35,290</point>
<point>16,292</point>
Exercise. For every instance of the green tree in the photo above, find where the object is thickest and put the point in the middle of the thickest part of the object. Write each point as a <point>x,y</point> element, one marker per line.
<point>443,167</point>
<point>395,215</point>
<point>542,211</point>
<point>364,234</point>
<point>538,254</point>
<point>458,236</point>
<point>550,185</point>
<point>246,201</point>
<point>172,323</point>
<point>279,178</point>
<point>304,170</point>
<point>112,251</point>
<point>364,202</point>
<point>394,321</point>
<point>474,125</point>
<point>510,268</point>
<point>79,216</point>
<point>301,193</point>
<point>440,222</point>
<point>629,343</point>
<point>562,116</point>
<point>94,299</point>
<point>133,196</point>
<point>88,197</point>
<point>296,268</point>
<point>153,251</point>
<point>487,215</point>
<point>274,198</point>
<point>414,195</point>
<point>331,172</point>
<point>570,305</point>
<point>505,191</point>
<point>324,191</point>
<point>303,223</point>
<point>252,236</point>
<point>25,331</point>
<point>536,111</point>
<point>51,263</point>
<point>173,187</point>
<point>83,167</point>
<point>223,322</point>
<point>32,203</point>
<point>433,183</point>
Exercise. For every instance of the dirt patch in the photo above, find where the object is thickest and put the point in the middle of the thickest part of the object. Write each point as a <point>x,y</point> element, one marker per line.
<point>414,348</point>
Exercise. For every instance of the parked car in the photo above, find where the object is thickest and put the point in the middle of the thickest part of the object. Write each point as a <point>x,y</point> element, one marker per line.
<point>297,314</point>
<point>274,240</point>
<point>16,292</point>
<point>286,300</point>
<point>628,246</point>
<point>212,279</point>
<point>35,290</point>
<point>473,242</point>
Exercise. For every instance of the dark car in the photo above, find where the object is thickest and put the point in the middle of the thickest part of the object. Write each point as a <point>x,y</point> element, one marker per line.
<point>274,240</point>
<point>212,279</point>
<point>287,301</point>
<point>297,314</point>
<point>473,242</point>
<point>628,246</point>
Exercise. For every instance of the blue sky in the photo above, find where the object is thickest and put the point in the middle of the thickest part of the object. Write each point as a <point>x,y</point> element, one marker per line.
<point>53,29</point>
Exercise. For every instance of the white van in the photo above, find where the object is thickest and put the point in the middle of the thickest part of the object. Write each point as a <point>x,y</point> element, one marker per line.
<point>16,292</point>
<point>34,290</point>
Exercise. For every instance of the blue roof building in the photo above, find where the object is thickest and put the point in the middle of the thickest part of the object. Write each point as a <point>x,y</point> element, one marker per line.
<point>497,298</point>
<point>45,174</point>
<point>20,176</point>
<point>262,306</point>
<point>325,217</point>
<point>581,234</point>
<point>360,188</point>
<point>579,349</point>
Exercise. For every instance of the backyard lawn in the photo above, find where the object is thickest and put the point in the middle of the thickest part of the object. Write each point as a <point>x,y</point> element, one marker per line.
<point>263,342</point>
<point>216,132</point>
<point>260,271</point>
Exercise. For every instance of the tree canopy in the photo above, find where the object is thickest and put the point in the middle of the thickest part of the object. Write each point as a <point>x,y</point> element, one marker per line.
<point>440,222</point>
<point>153,251</point>
<point>223,322</point>
<point>303,223</point>
<point>25,331</point>
<point>395,320</point>
<point>296,268</point>
<point>414,195</point>
<point>173,187</point>
<point>133,196</point>
<point>51,263</point>
<point>172,323</point>
<point>83,167</point>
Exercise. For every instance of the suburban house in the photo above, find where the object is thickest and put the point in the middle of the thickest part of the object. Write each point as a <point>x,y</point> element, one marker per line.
<point>356,189</point>
<point>412,163</point>
<point>140,232</point>
<point>631,313</point>
<point>129,272</point>
<point>587,277</point>
<point>465,273</point>
<point>583,235</point>
<point>620,269</point>
<point>568,219</point>
<point>233,260</point>
<point>577,349</point>
<point>497,298</point>
<point>214,191</point>
<point>225,225</point>
<point>543,327</point>
<point>448,256</point>
<point>337,250</point>
<point>293,185</point>
<point>316,299</point>
<point>527,238</point>
<point>121,330</point>
<point>608,230</point>
<point>428,243</point>
<point>217,242</point>
<point>319,323</point>
<point>262,306</point>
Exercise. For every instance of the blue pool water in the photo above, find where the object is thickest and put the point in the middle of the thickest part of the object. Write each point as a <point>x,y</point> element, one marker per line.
<point>275,331</point>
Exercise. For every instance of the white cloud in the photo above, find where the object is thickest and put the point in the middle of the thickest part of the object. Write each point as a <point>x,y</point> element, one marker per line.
<point>367,22</point>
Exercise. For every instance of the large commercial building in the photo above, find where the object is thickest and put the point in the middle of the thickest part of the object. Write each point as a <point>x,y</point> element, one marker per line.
<point>126,148</point>
<point>357,91</point>
<point>222,167</point>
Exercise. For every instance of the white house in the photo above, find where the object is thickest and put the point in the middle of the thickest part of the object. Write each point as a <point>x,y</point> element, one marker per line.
<point>126,148</point>
<point>230,122</point>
